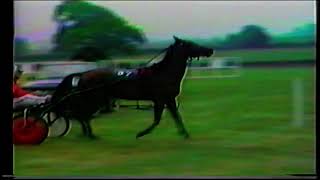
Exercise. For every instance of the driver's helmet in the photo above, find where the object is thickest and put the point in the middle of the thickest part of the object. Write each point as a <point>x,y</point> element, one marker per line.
<point>17,71</point>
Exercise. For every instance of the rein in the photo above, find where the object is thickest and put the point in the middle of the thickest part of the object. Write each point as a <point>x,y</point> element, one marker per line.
<point>71,94</point>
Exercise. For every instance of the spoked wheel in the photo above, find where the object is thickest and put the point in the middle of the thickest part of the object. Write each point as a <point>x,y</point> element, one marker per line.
<point>30,131</point>
<point>58,126</point>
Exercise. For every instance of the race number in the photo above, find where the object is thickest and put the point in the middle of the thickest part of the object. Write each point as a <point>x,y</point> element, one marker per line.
<point>75,81</point>
<point>120,73</point>
<point>124,73</point>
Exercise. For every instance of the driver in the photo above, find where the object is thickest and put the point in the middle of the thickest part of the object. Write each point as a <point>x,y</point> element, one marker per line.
<point>22,98</point>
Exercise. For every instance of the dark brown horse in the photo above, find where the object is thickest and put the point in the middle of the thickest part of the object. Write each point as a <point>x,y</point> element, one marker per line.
<point>84,93</point>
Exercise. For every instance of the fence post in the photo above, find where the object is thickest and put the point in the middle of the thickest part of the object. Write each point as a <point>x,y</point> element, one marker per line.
<point>298,102</point>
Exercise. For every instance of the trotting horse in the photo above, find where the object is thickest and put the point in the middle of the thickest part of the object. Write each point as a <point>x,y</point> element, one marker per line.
<point>159,82</point>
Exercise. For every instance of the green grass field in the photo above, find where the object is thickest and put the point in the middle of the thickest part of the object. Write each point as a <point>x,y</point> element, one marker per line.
<point>240,126</point>
<point>281,54</point>
<point>258,55</point>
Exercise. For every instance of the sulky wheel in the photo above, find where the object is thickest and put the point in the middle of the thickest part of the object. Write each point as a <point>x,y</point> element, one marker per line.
<point>30,131</point>
<point>58,126</point>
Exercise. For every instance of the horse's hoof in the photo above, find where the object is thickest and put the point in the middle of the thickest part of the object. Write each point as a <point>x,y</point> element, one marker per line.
<point>81,135</point>
<point>93,137</point>
<point>139,135</point>
<point>186,136</point>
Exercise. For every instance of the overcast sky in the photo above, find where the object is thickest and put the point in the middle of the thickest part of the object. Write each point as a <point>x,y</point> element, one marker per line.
<point>162,19</point>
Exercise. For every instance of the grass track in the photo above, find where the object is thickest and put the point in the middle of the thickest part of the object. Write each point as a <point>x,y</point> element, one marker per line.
<point>239,127</point>
<point>250,55</point>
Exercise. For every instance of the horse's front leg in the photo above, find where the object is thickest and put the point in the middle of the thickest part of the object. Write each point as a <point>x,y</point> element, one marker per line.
<point>172,106</point>
<point>158,109</point>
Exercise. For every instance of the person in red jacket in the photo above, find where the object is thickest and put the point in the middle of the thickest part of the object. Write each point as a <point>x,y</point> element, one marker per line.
<point>21,97</point>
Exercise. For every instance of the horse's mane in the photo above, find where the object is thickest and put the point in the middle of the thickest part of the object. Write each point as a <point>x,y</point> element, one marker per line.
<point>163,63</point>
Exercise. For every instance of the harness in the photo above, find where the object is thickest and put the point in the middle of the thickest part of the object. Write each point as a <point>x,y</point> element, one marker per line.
<point>75,83</point>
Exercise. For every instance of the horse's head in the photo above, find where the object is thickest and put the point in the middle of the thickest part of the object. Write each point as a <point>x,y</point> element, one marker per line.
<point>192,50</point>
<point>177,55</point>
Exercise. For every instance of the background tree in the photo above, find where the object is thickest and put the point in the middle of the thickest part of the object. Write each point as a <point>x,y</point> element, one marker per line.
<point>250,36</point>
<point>82,24</point>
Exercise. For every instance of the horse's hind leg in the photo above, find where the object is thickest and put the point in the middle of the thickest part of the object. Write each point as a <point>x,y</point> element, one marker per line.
<point>86,129</point>
<point>172,106</point>
<point>158,109</point>
<point>90,133</point>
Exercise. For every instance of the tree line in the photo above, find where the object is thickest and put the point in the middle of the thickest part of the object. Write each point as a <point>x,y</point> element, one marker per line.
<point>93,32</point>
